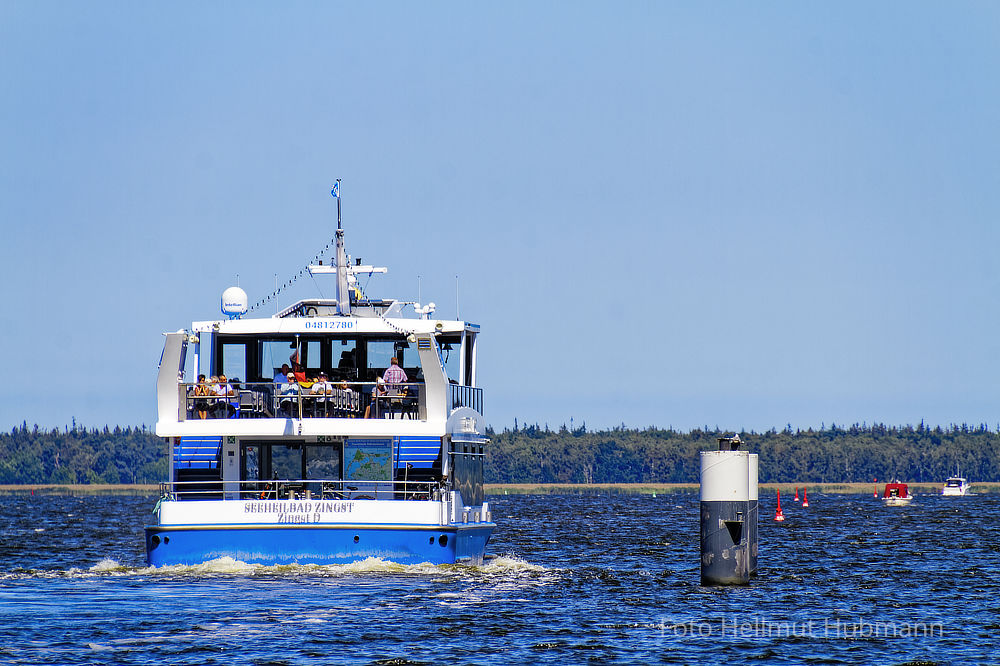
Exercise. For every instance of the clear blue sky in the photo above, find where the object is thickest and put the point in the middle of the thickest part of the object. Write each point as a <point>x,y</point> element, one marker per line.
<point>675,214</point>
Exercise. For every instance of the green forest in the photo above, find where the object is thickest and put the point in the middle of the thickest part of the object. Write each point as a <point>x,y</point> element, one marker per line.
<point>830,455</point>
<point>80,455</point>
<point>535,454</point>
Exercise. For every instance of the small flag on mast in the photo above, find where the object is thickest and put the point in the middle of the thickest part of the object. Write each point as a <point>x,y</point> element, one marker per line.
<point>336,190</point>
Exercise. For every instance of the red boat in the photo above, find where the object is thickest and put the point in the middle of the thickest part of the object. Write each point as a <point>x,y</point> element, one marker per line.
<point>896,494</point>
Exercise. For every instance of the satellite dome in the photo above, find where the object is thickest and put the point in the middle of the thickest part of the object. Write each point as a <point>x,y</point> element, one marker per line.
<point>234,302</point>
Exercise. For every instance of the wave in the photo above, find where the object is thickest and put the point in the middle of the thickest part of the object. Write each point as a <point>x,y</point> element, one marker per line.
<point>106,565</point>
<point>506,564</point>
<point>512,563</point>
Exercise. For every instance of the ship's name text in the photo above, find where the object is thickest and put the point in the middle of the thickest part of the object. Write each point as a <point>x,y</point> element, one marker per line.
<point>298,508</point>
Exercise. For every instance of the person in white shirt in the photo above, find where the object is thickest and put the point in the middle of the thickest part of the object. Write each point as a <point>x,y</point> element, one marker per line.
<point>347,399</point>
<point>323,389</point>
<point>290,396</point>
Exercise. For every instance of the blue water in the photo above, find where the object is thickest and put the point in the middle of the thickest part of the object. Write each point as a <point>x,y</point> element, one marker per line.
<point>580,578</point>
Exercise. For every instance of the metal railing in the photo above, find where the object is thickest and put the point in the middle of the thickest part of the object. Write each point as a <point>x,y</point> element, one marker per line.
<point>302,489</point>
<point>467,396</point>
<point>268,400</point>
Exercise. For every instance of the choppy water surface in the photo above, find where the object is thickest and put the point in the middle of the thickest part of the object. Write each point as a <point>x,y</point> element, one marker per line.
<point>580,578</point>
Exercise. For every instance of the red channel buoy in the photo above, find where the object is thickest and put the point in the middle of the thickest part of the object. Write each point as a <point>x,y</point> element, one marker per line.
<point>778,515</point>
<point>805,498</point>
<point>876,488</point>
<point>796,493</point>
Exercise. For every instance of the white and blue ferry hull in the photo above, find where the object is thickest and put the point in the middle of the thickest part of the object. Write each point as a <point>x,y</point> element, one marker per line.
<point>307,532</point>
<point>317,544</point>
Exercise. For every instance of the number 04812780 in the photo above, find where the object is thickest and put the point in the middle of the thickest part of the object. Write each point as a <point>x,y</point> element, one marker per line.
<point>330,324</point>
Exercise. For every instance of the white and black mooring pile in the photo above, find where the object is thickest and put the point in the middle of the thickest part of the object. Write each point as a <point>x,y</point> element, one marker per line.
<point>728,514</point>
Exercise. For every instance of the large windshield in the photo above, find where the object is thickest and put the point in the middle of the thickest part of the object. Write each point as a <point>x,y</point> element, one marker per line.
<point>355,359</point>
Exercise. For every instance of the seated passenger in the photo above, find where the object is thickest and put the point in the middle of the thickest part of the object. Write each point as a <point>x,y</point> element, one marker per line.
<point>378,391</point>
<point>322,388</point>
<point>290,397</point>
<point>201,391</point>
<point>281,376</point>
<point>213,402</point>
<point>346,400</point>
<point>225,407</point>
<point>235,400</point>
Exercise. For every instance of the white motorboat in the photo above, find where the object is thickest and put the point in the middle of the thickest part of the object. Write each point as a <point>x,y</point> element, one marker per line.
<point>955,486</point>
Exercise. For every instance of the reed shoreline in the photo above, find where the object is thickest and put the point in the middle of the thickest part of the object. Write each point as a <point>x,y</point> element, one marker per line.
<point>80,489</point>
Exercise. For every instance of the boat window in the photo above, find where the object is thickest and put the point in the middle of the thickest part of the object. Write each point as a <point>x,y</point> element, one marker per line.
<point>251,463</point>
<point>264,461</point>
<point>380,352</point>
<point>345,355</point>
<point>311,354</point>
<point>470,340</point>
<point>451,356</point>
<point>273,354</point>
<point>234,360</point>
<point>286,461</point>
<point>323,462</point>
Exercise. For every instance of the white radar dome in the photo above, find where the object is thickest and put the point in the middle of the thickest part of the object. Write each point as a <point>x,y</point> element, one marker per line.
<point>234,302</point>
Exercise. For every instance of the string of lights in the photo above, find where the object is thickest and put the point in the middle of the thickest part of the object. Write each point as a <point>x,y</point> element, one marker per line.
<point>388,323</point>
<point>289,282</point>
<point>305,271</point>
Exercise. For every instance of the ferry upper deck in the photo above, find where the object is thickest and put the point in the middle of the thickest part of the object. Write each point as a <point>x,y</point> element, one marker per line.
<point>309,339</point>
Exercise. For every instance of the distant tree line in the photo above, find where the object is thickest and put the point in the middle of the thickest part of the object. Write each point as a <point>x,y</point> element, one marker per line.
<point>857,453</point>
<point>535,454</point>
<point>81,455</point>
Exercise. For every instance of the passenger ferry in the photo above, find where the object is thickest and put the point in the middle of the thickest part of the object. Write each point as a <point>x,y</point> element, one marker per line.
<point>310,447</point>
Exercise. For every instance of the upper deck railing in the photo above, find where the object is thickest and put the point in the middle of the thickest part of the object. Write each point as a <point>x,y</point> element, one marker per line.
<point>269,400</point>
<point>467,396</point>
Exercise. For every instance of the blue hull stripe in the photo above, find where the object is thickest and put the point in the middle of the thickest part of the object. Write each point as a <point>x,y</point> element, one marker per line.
<point>318,544</point>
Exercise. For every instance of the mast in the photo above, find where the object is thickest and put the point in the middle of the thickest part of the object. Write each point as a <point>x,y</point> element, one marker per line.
<point>343,292</point>
<point>340,265</point>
